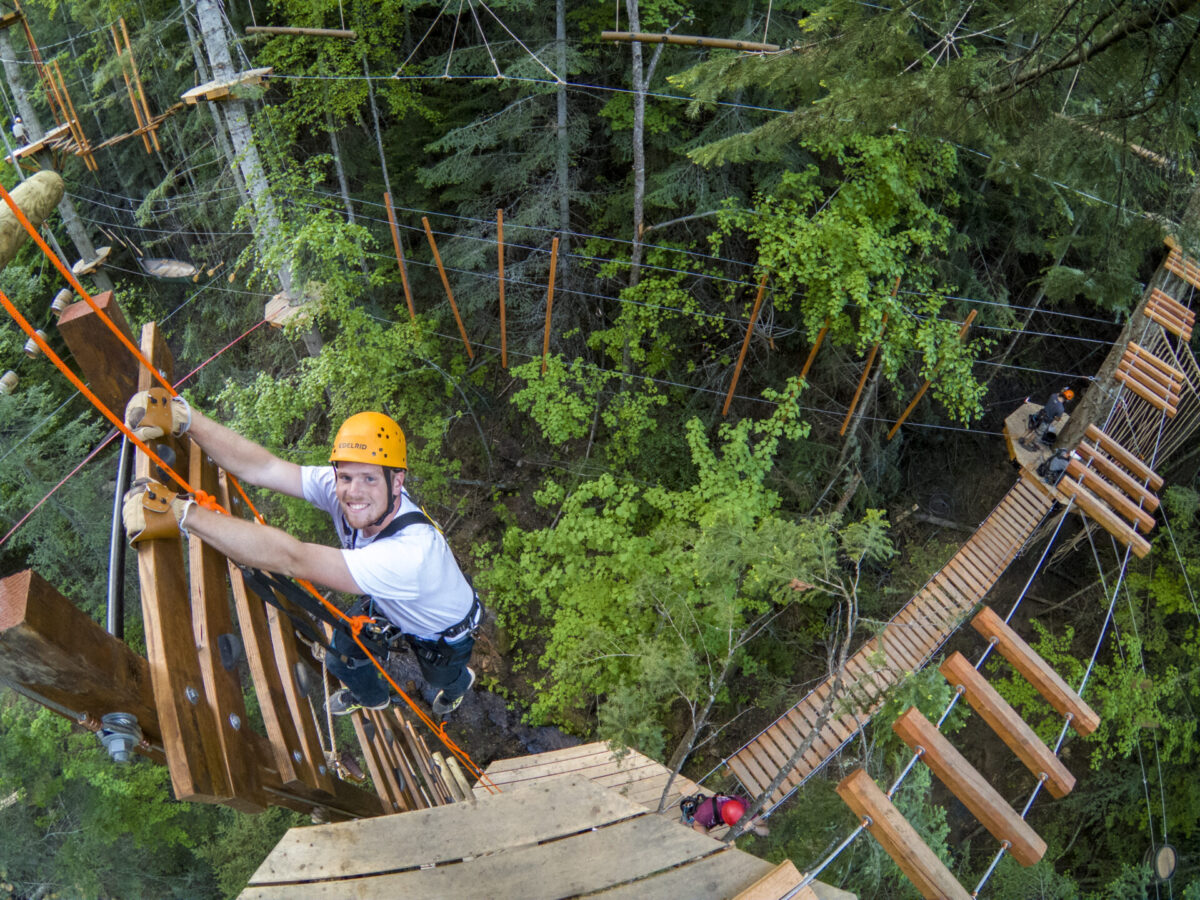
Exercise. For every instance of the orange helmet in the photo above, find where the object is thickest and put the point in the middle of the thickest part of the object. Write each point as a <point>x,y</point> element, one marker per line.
<point>370,437</point>
<point>732,811</point>
<point>1068,394</point>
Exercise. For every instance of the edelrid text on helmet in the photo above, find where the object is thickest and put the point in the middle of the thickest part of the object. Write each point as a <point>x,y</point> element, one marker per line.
<point>370,437</point>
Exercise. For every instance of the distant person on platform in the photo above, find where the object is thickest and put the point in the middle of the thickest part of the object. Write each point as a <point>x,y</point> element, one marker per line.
<point>391,552</point>
<point>1041,421</point>
<point>706,813</point>
<point>19,132</point>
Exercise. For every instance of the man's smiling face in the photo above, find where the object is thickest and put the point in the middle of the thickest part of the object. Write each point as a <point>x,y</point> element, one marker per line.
<point>362,492</point>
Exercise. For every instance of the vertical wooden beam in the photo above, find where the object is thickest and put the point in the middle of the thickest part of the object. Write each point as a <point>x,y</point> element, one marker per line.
<point>812,354</point>
<point>137,110</point>
<point>549,302</point>
<point>928,874</point>
<point>500,260</point>
<point>84,146</point>
<point>965,782</point>
<point>962,333</point>
<point>737,369</point>
<point>437,258</point>
<point>188,724</point>
<point>1036,671</point>
<point>210,620</point>
<point>98,352</point>
<point>137,80</point>
<point>862,382</point>
<point>387,201</point>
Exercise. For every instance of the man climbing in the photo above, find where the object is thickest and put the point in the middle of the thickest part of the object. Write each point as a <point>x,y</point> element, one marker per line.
<point>19,131</point>
<point>1040,422</point>
<point>391,552</point>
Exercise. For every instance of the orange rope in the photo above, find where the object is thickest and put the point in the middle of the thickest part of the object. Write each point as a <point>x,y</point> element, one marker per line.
<point>69,275</point>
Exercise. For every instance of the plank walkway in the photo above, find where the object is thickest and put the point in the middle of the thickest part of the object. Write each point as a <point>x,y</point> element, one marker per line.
<point>906,644</point>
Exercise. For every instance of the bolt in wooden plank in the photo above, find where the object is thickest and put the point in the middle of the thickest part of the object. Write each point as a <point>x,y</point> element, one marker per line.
<point>1036,671</point>
<point>1008,725</point>
<point>899,839</point>
<point>965,782</point>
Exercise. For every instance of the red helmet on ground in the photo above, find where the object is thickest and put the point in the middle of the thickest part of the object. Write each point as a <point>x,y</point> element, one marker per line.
<point>732,811</point>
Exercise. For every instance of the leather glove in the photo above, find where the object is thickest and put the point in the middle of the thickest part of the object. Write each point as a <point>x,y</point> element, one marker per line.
<point>153,413</point>
<point>150,511</point>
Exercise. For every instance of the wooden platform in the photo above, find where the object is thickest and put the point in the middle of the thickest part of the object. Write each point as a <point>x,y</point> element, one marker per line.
<point>906,644</point>
<point>225,89</point>
<point>46,143</point>
<point>635,777</point>
<point>1032,453</point>
<point>553,838</point>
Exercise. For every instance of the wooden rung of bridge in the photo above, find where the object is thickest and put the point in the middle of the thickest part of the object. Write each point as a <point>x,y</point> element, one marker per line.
<point>1102,514</point>
<point>1153,369</point>
<point>1133,488</point>
<point>1117,499</point>
<point>1036,671</point>
<point>906,644</point>
<point>1170,314</point>
<point>899,839</point>
<point>1119,454</point>
<point>1182,265</point>
<point>1008,725</point>
<point>1160,400</point>
<point>965,782</point>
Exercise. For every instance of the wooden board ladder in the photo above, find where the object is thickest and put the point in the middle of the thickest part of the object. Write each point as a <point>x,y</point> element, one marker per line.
<point>898,838</point>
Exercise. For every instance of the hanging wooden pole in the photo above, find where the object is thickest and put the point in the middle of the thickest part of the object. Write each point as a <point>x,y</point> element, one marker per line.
<point>137,80</point>
<point>812,354</point>
<point>642,37</point>
<point>500,257</point>
<point>387,201</point>
<point>311,32</point>
<point>737,370</point>
<point>137,110</point>
<point>437,258</point>
<point>962,333</point>
<point>549,302</point>
<point>863,380</point>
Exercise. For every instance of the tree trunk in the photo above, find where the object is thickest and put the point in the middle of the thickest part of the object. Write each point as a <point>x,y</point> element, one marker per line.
<point>564,144</point>
<point>33,126</point>
<point>639,146</point>
<point>343,184</point>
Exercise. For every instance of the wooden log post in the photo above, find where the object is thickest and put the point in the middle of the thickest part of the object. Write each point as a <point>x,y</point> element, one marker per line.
<point>1008,725</point>
<point>1036,671</point>
<point>549,301</point>
<point>928,874</point>
<point>965,782</point>
<point>862,381</point>
<point>500,266</point>
<point>812,354</point>
<point>137,110</point>
<point>387,202</point>
<point>737,369</point>
<point>437,258</point>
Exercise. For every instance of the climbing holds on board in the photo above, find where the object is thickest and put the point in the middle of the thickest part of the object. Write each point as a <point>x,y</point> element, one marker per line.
<point>60,302</point>
<point>32,350</point>
<point>8,382</point>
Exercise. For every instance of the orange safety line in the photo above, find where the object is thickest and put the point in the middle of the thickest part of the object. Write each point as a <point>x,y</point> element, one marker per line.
<point>67,274</point>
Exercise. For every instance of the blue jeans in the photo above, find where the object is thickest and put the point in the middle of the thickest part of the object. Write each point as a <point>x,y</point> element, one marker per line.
<point>443,666</point>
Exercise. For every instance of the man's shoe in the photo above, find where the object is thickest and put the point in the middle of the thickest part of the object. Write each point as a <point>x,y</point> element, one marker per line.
<point>443,707</point>
<point>342,703</point>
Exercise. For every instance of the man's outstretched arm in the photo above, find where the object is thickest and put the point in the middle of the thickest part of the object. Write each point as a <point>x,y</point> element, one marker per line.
<point>265,547</point>
<point>247,460</point>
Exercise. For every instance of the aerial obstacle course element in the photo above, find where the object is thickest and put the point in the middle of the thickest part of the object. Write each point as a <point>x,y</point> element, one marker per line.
<point>37,196</point>
<point>641,37</point>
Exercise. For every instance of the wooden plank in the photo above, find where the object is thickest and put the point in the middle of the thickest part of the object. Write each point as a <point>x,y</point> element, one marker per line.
<point>376,767</point>
<point>1141,353</point>
<point>966,589</point>
<point>1035,670</point>
<point>188,723</point>
<point>1166,383</point>
<point>914,617</point>
<point>1118,476</point>
<point>50,646</point>
<point>595,748</point>
<point>600,757</point>
<point>898,648</point>
<point>1124,457</point>
<point>1147,393</point>
<point>223,89</point>
<point>747,777</point>
<point>714,877</point>
<point>776,884</point>
<point>383,742</point>
<point>97,350</point>
<point>1168,322</point>
<point>899,839</point>
<point>1008,725</point>
<point>796,738</point>
<point>582,864</point>
<point>211,619</point>
<point>446,833</point>
<point>778,755</point>
<point>1120,502</point>
<point>953,597</point>
<point>965,782</point>
<point>1104,516</point>
<point>256,643</point>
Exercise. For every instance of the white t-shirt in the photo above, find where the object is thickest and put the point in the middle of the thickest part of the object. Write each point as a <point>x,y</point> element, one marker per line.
<point>412,575</point>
